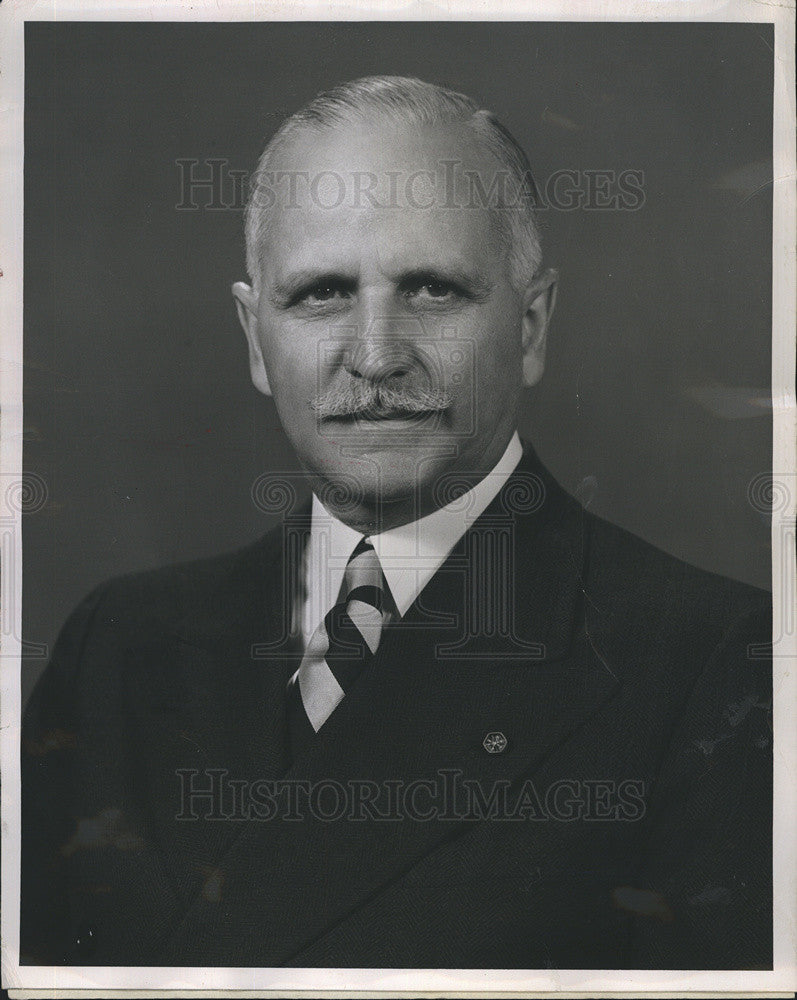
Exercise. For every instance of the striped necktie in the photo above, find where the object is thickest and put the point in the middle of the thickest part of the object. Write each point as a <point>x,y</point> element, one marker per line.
<point>340,648</point>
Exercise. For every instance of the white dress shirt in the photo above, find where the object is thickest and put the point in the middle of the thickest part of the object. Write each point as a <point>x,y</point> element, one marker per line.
<point>410,554</point>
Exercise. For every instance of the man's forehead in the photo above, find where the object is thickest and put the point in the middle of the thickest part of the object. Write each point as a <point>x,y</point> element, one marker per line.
<point>378,143</point>
<point>386,164</point>
<point>405,192</point>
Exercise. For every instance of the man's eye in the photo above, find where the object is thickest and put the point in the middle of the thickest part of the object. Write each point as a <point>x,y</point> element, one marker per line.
<point>437,289</point>
<point>324,292</point>
<point>432,289</point>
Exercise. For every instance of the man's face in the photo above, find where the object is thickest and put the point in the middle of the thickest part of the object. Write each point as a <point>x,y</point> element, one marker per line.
<point>384,322</point>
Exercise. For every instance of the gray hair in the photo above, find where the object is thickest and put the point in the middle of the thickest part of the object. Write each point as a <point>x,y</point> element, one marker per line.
<point>417,104</point>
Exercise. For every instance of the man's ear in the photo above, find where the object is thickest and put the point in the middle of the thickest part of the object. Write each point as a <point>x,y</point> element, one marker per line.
<point>539,300</point>
<point>246,304</point>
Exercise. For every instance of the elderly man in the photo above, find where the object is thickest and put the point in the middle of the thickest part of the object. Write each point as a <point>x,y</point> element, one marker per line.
<point>442,716</point>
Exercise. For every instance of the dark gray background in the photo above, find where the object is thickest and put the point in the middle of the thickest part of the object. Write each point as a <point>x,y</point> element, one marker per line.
<point>139,414</point>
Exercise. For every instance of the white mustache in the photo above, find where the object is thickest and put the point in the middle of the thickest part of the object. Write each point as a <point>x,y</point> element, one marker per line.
<point>379,400</point>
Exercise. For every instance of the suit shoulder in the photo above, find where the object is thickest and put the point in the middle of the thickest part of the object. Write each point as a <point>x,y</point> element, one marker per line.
<point>626,574</point>
<point>165,594</point>
<point>644,571</point>
<point>641,580</point>
<point>131,619</point>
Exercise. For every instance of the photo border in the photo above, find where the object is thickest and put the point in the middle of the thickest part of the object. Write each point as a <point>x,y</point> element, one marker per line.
<point>43,981</point>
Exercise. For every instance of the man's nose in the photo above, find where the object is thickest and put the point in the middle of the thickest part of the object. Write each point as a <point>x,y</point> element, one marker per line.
<point>383,349</point>
<point>378,361</point>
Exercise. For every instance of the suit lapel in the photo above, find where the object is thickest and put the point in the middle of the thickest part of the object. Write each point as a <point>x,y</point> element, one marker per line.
<point>444,678</point>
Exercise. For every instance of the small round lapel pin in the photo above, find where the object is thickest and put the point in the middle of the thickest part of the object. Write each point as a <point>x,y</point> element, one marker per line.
<point>495,743</point>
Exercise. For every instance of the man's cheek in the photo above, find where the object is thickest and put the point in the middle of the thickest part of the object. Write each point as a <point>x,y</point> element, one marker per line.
<point>294,370</point>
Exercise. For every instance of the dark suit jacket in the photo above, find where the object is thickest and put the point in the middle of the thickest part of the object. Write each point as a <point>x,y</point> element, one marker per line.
<point>627,822</point>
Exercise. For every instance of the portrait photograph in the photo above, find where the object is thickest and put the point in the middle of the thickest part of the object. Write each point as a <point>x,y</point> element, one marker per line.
<point>399,493</point>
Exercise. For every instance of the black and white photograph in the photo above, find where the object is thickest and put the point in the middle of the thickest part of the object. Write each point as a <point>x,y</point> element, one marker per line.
<point>398,499</point>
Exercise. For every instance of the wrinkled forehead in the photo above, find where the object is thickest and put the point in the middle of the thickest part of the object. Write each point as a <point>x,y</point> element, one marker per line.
<point>382,178</point>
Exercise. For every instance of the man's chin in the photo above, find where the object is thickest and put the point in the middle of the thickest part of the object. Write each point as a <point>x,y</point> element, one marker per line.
<point>391,478</point>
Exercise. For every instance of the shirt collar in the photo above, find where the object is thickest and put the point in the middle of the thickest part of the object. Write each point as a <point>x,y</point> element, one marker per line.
<point>410,554</point>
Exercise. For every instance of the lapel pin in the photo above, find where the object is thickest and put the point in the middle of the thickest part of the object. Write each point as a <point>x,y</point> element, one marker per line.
<point>495,743</point>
